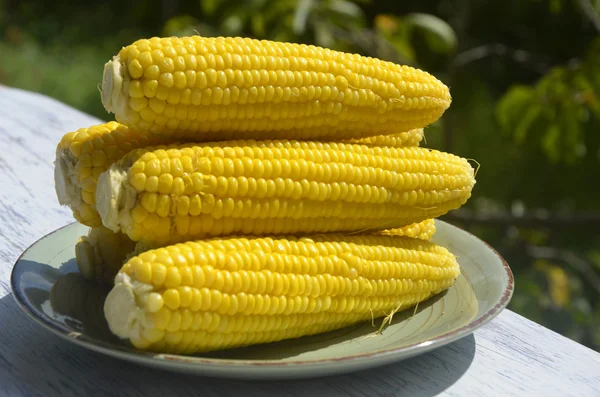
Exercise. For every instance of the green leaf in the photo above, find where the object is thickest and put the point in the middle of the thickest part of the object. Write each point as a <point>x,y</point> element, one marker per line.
<point>277,14</point>
<point>258,25</point>
<point>347,8</point>
<point>589,94</point>
<point>570,132</point>
<point>301,15</point>
<point>179,25</point>
<point>233,24</point>
<point>209,7</point>
<point>323,35</point>
<point>524,124</point>
<point>387,24</point>
<point>440,36</point>
<point>510,107</point>
<point>555,6</point>
<point>404,48</point>
<point>550,142</point>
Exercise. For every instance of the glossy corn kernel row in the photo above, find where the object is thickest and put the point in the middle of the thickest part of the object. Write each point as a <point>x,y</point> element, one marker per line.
<point>82,155</point>
<point>183,192</point>
<point>401,139</point>
<point>101,253</point>
<point>201,87</point>
<point>228,292</point>
<point>422,230</point>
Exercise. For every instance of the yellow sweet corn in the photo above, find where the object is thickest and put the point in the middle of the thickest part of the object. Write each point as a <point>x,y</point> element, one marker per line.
<point>82,155</point>
<point>402,139</point>
<point>229,292</point>
<point>422,230</point>
<point>206,88</point>
<point>182,192</point>
<point>101,253</point>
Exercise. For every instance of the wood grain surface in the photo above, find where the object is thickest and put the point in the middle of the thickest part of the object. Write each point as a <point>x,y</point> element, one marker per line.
<point>510,356</point>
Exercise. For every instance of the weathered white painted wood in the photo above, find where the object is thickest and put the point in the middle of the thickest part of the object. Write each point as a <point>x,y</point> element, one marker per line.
<point>511,356</point>
<point>31,126</point>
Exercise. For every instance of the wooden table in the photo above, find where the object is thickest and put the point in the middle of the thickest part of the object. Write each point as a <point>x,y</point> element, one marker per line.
<point>510,356</point>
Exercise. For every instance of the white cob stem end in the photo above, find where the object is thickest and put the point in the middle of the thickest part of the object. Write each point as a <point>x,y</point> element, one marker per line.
<point>114,86</point>
<point>65,179</point>
<point>85,257</point>
<point>123,308</point>
<point>114,198</point>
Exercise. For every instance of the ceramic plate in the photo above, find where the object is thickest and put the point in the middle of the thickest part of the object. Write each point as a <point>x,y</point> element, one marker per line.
<point>48,287</point>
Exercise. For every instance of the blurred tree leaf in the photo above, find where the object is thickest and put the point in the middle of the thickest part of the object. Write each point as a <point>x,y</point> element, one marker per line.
<point>396,33</point>
<point>558,282</point>
<point>233,24</point>
<point>440,36</point>
<point>555,6</point>
<point>180,26</point>
<point>323,36</point>
<point>209,7</point>
<point>258,25</point>
<point>301,15</point>
<point>553,111</point>
<point>347,8</point>
<point>406,33</point>
<point>513,106</point>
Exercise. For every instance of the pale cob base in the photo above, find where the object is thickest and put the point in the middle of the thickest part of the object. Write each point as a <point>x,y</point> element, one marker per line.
<point>101,253</point>
<point>65,181</point>
<point>114,198</point>
<point>113,83</point>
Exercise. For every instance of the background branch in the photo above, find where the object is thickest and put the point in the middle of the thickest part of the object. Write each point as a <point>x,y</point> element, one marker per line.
<point>498,49</point>
<point>528,219</point>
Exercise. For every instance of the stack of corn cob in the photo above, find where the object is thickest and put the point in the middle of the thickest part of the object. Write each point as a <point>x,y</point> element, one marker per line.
<point>252,191</point>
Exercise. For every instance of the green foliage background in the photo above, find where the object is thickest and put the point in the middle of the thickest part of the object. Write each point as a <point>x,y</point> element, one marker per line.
<point>525,81</point>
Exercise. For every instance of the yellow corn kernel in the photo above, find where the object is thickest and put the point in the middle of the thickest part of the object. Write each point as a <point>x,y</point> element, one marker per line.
<point>322,283</point>
<point>281,187</point>
<point>82,156</point>
<point>422,230</point>
<point>271,89</point>
<point>408,138</point>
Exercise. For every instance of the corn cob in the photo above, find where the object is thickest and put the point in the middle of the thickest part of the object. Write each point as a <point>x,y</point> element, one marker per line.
<point>182,192</point>
<point>206,88</point>
<point>82,155</point>
<point>223,293</point>
<point>101,253</point>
